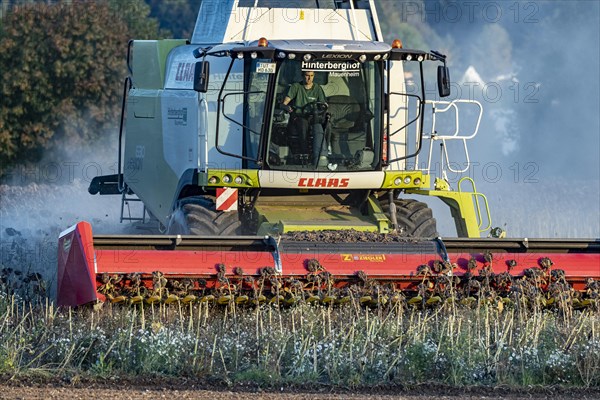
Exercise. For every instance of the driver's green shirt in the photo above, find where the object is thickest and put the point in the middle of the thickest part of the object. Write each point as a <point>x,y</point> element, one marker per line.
<point>302,96</point>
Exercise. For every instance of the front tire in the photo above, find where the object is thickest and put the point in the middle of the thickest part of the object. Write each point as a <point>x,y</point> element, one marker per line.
<point>415,218</point>
<point>197,216</point>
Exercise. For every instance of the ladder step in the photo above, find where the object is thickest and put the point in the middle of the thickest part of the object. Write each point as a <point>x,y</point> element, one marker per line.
<point>125,201</point>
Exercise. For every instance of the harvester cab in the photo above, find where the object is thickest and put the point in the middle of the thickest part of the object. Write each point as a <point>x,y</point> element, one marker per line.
<point>224,135</point>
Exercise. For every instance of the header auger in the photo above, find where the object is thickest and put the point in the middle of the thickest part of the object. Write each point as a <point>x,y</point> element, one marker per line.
<point>265,198</point>
<point>325,268</point>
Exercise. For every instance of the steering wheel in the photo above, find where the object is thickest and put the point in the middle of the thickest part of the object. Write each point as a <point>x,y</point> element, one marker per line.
<point>316,108</point>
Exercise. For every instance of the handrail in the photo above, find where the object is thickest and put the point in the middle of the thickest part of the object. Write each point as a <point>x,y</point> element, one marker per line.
<point>456,135</point>
<point>453,105</point>
<point>127,85</point>
<point>414,119</point>
<point>476,196</point>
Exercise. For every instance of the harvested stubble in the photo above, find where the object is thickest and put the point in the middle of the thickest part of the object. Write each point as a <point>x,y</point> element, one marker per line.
<point>269,345</point>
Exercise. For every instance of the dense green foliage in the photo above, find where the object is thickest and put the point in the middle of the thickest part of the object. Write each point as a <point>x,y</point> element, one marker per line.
<point>61,70</point>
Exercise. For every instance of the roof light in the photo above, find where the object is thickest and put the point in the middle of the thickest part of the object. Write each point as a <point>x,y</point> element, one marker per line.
<point>307,57</point>
<point>254,54</point>
<point>291,56</point>
<point>408,57</point>
<point>420,58</point>
<point>263,42</point>
<point>377,57</point>
<point>281,54</point>
<point>397,44</point>
<point>385,56</point>
<point>240,55</point>
<point>362,58</point>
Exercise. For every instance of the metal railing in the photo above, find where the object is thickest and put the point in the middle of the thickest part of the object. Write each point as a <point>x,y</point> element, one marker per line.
<point>441,106</point>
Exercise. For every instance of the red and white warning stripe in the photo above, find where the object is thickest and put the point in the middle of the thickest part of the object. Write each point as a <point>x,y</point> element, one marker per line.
<point>227,199</point>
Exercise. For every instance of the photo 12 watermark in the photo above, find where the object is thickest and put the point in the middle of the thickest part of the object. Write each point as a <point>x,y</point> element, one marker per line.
<point>469,11</point>
<point>58,172</point>
<point>507,90</point>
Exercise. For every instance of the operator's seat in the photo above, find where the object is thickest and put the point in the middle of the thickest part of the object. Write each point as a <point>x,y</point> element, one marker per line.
<point>347,132</point>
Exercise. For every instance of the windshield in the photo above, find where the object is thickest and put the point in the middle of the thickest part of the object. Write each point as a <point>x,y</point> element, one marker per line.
<point>327,116</point>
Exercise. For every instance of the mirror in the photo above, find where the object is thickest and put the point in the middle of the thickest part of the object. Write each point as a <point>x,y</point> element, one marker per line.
<point>201,71</point>
<point>443,81</point>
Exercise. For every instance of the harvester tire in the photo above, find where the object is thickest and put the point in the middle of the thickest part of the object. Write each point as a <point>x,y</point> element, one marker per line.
<point>414,218</point>
<point>198,216</point>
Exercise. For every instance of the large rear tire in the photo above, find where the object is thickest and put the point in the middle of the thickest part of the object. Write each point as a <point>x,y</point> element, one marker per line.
<point>197,216</point>
<point>415,218</point>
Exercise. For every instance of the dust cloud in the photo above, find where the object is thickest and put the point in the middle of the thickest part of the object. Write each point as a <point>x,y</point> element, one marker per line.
<point>39,201</point>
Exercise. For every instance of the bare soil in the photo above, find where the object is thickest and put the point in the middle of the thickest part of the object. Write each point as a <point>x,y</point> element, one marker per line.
<point>75,388</point>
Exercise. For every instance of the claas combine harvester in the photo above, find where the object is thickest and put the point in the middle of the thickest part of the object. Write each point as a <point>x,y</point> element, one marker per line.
<point>257,202</point>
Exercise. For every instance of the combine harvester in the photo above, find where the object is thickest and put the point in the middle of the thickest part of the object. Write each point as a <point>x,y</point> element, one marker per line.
<point>265,197</point>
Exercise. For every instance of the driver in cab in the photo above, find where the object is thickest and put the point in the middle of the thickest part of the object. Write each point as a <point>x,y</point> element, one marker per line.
<point>302,93</point>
